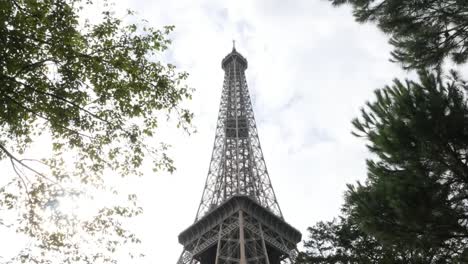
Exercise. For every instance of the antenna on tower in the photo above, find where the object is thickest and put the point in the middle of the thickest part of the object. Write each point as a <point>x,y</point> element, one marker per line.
<point>233,44</point>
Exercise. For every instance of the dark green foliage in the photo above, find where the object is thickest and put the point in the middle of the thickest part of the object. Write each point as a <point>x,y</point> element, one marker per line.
<point>416,192</point>
<point>97,93</point>
<point>415,198</point>
<point>423,32</point>
<point>342,242</point>
<point>339,241</point>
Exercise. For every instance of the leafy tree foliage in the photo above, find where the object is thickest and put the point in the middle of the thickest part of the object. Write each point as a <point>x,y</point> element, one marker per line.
<point>423,32</point>
<point>341,241</point>
<point>97,91</point>
<point>416,192</point>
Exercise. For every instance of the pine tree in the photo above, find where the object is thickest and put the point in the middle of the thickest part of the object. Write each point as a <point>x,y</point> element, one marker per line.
<point>342,241</point>
<point>416,192</point>
<point>423,32</point>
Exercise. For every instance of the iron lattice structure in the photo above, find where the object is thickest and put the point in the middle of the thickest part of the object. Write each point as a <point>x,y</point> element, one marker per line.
<point>239,219</point>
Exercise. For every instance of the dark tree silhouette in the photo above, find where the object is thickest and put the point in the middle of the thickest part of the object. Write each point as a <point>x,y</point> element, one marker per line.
<point>423,32</point>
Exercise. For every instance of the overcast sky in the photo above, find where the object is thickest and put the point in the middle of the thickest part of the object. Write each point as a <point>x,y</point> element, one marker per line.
<point>311,68</point>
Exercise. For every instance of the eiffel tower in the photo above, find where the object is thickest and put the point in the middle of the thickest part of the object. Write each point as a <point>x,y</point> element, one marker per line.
<point>239,220</point>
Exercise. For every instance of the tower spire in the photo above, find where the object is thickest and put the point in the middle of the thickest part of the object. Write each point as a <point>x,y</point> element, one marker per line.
<point>233,44</point>
<point>239,219</point>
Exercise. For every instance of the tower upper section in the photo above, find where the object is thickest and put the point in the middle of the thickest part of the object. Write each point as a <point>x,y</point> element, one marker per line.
<point>234,56</point>
<point>237,165</point>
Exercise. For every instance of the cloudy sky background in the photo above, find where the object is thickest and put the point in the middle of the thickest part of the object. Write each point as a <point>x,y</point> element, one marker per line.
<point>311,68</point>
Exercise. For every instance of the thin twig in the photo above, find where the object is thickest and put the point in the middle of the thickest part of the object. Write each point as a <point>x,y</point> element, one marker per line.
<point>22,180</point>
<point>11,156</point>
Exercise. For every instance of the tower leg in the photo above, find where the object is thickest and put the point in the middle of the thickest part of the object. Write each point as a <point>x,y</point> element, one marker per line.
<point>243,259</point>
<point>218,249</point>
<point>267,260</point>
